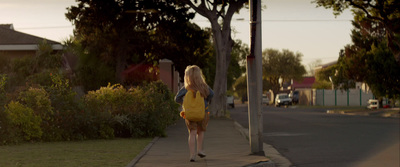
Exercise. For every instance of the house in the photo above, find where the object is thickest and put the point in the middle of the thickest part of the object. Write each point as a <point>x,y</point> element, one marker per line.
<point>358,85</point>
<point>324,66</point>
<point>306,83</point>
<point>15,44</point>
<point>303,89</point>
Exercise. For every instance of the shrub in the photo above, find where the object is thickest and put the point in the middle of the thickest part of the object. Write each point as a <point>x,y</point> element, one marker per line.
<point>137,112</point>
<point>56,104</point>
<point>93,73</point>
<point>154,110</point>
<point>23,67</point>
<point>68,118</point>
<point>52,113</point>
<point>38,100</point>
<point>3,79</point>
<point>8,133</point>
<point>45,58</point>
<point>161,109</point>
<point>61,94</point>
<point>102,104</point>
<point>42,78</point>
<point>4,64</point>
<point>24,120</point>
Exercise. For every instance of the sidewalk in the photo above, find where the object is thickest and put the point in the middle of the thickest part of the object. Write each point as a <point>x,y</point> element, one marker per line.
<point>223,144</point>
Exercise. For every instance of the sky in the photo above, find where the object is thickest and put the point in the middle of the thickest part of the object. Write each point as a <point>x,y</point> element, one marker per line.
<point>296,25</point>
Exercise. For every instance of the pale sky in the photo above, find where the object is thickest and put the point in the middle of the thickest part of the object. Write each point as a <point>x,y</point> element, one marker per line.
<point>296,25</point>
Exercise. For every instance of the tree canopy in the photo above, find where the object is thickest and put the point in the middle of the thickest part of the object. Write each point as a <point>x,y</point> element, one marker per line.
<point>368,59</point>
<point>384,12</point>
<point>120,33</point>
<point>283,64</point>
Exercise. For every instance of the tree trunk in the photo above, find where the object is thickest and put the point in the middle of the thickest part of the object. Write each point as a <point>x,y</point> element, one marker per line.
<point>122,56</point>
<point>223,43</point>
<point>119,68</point>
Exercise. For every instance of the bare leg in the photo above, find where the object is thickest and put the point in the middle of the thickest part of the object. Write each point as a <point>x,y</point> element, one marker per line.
<point>200,138</point>
<point>192,144</point>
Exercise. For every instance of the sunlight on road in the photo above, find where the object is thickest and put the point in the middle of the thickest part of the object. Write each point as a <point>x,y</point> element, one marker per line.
<point>387,157</point>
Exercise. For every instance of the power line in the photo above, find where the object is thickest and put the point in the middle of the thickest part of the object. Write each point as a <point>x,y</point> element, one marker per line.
<point>49,27</point>
<point>307,20</point>
<point>269,20</point>
<point>234,20</point>
<point>322,58</point>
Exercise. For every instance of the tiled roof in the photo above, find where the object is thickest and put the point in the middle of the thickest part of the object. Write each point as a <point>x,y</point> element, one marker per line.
<point>8,36</point>
<point>10,26</point>
<point>322,66</point>
<point>306,83</point>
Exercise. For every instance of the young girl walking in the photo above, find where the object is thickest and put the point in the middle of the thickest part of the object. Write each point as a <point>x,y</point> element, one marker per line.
<point>194,81</point>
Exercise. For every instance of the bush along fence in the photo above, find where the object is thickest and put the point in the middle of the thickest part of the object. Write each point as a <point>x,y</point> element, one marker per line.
<point>54,113</point>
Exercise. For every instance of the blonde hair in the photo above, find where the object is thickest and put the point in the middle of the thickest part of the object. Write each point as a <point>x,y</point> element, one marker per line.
<point>194,80</point>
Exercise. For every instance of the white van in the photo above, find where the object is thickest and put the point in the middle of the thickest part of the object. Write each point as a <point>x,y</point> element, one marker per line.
<point>373,104</point>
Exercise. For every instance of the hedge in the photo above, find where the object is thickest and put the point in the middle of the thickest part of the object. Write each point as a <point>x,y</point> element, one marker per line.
<point>54,113</point>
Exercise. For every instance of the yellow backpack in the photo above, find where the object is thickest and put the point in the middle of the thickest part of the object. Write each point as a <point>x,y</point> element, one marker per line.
<point>194,107</point>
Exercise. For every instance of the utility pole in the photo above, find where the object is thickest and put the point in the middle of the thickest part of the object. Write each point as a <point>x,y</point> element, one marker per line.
<point>254,79</point>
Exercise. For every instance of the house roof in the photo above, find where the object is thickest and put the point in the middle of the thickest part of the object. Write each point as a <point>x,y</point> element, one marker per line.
<point>307,82</point>
<point>10,26</point>
<point>326,65</point>
<point>15,40</point>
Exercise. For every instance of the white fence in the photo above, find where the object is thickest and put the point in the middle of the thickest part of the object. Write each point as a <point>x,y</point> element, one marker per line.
<point>351,97</point>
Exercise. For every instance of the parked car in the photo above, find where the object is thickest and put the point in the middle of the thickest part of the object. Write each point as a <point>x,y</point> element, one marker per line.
<point>265,99</point>
<point>230,100</point>
<point>294,96</point>
<point>373,104</point>
<point>282,99</point>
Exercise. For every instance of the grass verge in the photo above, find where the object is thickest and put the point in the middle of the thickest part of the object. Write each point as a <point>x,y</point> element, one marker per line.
<point>333,107</point>
<point>117,152</point>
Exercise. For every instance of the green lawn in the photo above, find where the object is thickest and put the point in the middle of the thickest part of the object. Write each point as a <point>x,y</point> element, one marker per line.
<point>117,152</point>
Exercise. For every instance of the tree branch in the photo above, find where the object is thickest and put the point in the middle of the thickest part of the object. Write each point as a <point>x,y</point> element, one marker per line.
<point>364,9</point>
<point>199,9</point>
<point>208,5</point>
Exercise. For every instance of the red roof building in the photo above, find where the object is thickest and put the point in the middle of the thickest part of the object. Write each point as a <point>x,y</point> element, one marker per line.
<point>306,83</point>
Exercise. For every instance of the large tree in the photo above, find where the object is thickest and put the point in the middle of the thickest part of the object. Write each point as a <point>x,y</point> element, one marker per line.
<point>121,32</point>
<point>384,12</point>
<point>285,65</point>
<point>368,59</point>
<point>219,13</point>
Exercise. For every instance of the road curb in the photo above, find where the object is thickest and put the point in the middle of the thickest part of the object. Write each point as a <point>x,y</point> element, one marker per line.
<point>142,153</point>
<point>377,113</point>
<point>277,159</point>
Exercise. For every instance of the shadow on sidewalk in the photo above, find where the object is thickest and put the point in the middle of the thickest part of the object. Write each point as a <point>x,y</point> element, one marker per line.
<point>223,144</point>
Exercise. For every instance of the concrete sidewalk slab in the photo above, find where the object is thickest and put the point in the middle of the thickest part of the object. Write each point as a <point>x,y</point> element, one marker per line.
<point>223,144</point>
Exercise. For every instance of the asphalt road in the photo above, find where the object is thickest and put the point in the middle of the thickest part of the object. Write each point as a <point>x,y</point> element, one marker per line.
<point>312,138</point>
